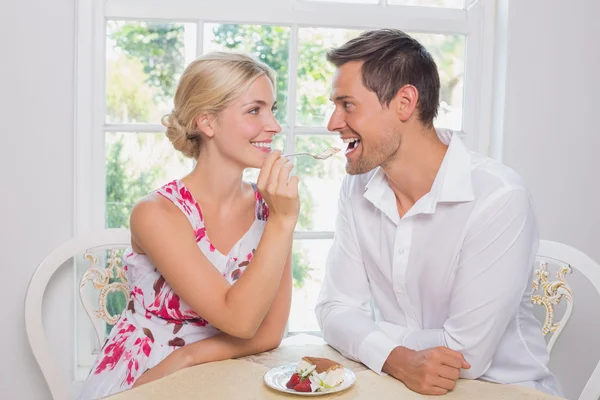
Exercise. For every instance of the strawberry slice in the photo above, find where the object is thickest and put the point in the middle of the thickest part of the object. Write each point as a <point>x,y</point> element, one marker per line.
<point>303,386</point>
<point>294,380</point>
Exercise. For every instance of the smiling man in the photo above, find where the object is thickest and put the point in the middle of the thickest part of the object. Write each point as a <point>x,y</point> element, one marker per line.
<point>438,240</point>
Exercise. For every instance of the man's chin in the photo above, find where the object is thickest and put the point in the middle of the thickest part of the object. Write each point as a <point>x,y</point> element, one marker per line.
<point>358,169</point>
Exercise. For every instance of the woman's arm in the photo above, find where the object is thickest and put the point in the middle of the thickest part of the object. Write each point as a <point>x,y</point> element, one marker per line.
<point>223,346</point>
<point>166,237</point>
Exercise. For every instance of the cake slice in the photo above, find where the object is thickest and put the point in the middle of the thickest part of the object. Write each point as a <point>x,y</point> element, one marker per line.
<point>316,374</point>
<point>323,364</point>
<point>327,374</point>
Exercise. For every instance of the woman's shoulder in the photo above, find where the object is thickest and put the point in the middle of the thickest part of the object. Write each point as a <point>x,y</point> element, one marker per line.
<point>152,206</point>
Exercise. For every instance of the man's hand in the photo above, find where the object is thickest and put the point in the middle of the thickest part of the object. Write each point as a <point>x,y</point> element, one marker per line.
<point>431,372</point>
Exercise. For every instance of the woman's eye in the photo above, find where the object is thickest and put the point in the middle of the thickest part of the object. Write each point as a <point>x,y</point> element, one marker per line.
<point>253,111</point>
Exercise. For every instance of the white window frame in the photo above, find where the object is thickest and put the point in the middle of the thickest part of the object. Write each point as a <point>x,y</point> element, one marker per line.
<point>476,22</point>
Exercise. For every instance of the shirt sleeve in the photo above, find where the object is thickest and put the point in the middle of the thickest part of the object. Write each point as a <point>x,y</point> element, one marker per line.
<point>344,308</point>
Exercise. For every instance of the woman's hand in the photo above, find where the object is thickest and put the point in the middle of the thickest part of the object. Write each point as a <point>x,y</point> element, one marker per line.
<point>172,363</point>
<point>279,190</point>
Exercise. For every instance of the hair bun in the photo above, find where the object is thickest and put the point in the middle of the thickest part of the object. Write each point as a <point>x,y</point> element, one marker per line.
<point>179,137</point>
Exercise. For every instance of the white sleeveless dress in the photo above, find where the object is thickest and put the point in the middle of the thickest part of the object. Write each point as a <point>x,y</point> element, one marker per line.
<point>156,321</point>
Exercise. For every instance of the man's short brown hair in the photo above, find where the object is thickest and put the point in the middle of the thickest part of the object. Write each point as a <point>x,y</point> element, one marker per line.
<point>391,59</point>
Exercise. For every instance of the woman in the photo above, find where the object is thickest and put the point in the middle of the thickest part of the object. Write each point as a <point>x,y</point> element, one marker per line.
<point>209,266</point>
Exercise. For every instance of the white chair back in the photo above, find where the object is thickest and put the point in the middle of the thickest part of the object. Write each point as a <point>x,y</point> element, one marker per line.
<point>564,278</point>
<point>105,280</point>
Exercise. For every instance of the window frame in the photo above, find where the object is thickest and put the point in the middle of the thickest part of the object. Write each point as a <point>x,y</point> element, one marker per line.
<point>476,21</point>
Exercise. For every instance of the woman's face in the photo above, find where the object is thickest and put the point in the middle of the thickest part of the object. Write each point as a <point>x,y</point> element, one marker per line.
<point>243,131</point>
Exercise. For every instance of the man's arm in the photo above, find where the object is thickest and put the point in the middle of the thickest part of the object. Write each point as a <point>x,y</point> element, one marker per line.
<point>492,276</point>
<point>344,306</point>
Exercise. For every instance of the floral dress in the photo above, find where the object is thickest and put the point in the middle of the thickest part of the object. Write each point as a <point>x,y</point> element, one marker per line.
<point>156,321</point>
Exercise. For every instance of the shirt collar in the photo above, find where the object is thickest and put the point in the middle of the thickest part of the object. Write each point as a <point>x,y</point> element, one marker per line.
<point>452,183</point>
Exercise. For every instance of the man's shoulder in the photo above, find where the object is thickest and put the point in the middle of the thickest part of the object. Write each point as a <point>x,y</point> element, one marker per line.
<point>489,175</point>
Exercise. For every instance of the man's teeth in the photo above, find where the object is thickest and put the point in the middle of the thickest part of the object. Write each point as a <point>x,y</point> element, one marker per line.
<point>263,145</point>
<point>350,140</point>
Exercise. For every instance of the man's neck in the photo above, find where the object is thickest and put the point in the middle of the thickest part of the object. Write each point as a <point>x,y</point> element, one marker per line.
<point>413,170</point>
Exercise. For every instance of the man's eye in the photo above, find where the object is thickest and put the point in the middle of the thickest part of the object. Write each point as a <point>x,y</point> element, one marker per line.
<point>347,105</point>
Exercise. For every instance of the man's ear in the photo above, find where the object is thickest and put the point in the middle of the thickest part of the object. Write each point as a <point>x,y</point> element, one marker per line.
<point>406,102</point>
<point>205,124</point>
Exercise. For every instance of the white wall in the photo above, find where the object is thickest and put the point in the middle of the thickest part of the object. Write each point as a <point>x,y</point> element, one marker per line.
<point>552,135</point>
<point>552,138</point>
<point>36,175</point>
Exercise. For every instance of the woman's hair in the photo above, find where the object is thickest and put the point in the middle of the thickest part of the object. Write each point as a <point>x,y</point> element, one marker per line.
<point>207,86</point>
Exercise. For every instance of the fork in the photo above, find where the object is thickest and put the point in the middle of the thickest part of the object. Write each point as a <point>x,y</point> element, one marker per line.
<point>321,156</point>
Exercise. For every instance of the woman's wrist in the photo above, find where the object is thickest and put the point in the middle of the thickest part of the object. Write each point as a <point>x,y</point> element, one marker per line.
<point>285,224</point>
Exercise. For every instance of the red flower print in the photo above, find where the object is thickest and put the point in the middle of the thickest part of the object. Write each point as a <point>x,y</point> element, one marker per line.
<point>185,207</point>
<point>158,285</point>
<point>115,346</point>
<point>200,234</point>
<point>186,195</point>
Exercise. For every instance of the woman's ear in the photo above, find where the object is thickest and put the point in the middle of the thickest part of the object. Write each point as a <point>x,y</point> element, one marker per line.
<point>205,124</point>
<point>406,102</point>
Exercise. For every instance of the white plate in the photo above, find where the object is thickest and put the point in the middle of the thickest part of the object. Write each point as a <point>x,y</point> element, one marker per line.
<point>277,377</point>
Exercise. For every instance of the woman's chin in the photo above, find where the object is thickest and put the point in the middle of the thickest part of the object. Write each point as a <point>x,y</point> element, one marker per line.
<point>254,163</point>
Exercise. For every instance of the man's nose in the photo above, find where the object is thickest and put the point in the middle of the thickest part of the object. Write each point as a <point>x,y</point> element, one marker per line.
<point>336,121</point>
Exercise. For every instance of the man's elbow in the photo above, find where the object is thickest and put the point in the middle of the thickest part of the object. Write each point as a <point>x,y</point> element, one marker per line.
<point>475,354</point>
<point>478,367</point>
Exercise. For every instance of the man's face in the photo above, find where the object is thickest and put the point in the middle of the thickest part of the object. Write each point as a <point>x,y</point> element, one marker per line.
<point>363,123</point>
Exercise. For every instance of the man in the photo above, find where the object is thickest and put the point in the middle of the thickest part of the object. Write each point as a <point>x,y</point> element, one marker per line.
<point>441,241</point>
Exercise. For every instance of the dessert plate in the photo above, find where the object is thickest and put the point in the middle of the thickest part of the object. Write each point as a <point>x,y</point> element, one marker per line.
<point>277,377</point>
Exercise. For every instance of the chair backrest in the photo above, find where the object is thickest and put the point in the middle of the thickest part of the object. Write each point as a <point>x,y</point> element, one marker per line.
<point>103,288</point>
<point>562,273</point>
<point>105,280</point>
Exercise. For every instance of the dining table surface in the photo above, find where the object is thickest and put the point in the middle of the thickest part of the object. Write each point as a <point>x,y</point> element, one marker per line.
<point>243,378</point>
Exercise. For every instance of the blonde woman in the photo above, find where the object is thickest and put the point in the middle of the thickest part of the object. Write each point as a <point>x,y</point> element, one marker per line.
<point>210,261</point>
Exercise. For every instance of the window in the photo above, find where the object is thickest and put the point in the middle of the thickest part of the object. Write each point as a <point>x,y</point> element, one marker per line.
<point>131,54</point>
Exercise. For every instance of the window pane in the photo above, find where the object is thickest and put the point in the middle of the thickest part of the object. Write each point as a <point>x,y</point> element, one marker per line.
<point>136,164</point>
<point>270,44</point>
<point>320,182</point>
<point>251,174</point>
<point>308,260</point>
<point>430,3</point>
<point>315,73</point>
<point>144,61</point>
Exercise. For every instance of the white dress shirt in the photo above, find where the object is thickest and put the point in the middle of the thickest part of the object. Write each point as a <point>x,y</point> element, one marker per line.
<point>454,271</point>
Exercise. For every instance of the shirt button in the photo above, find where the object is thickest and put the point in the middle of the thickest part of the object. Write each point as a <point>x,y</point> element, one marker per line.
<point>401,251</point>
